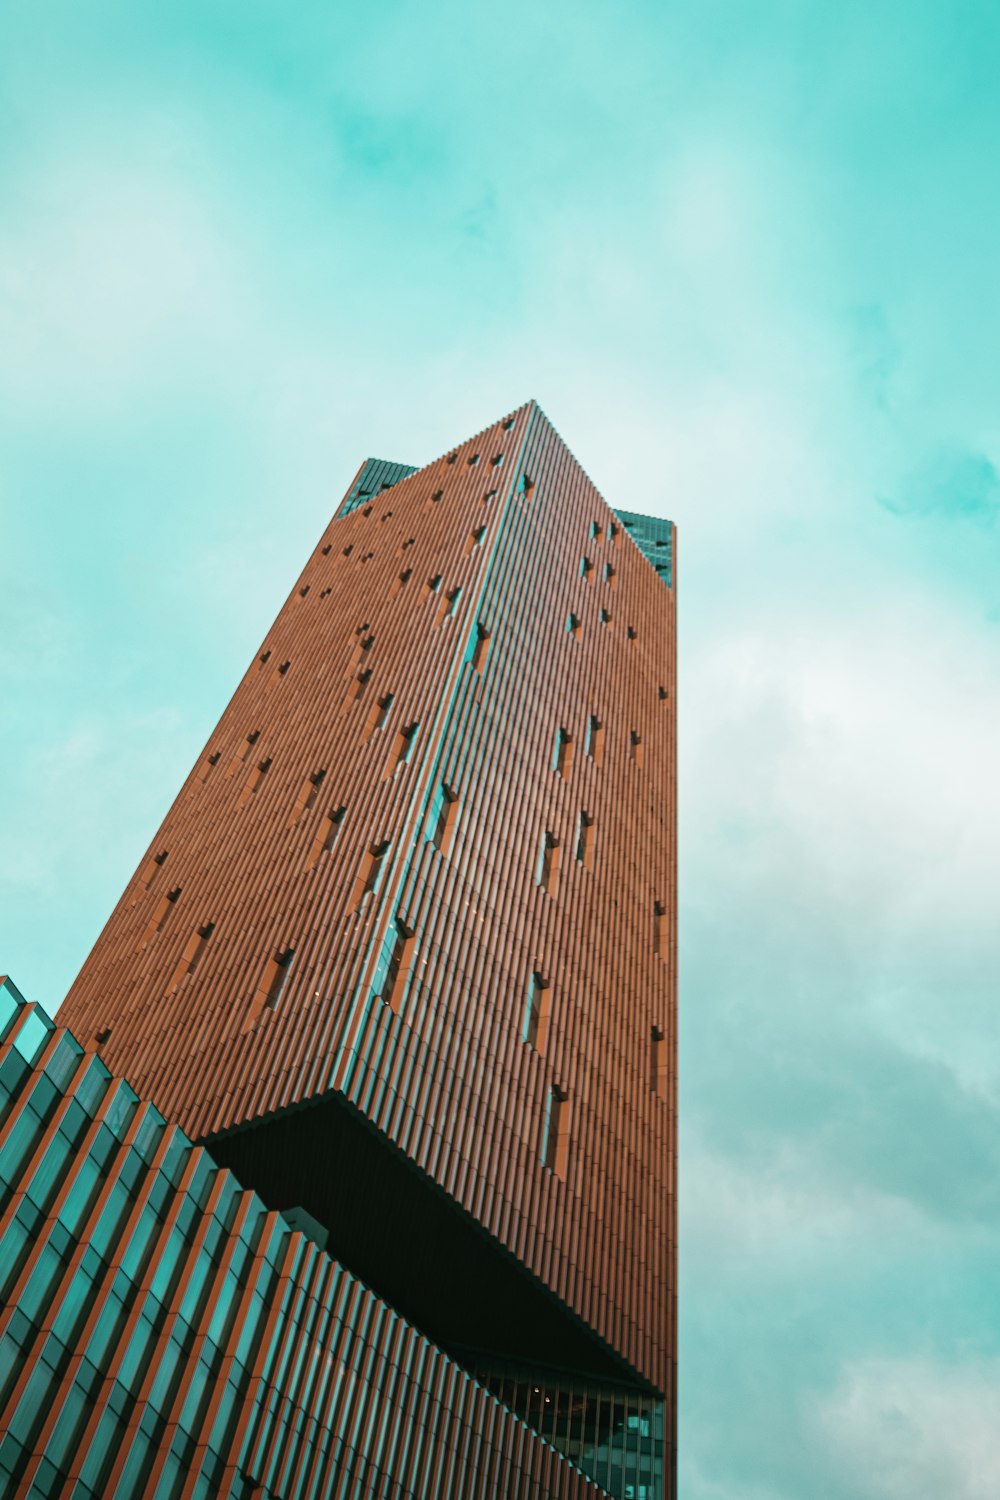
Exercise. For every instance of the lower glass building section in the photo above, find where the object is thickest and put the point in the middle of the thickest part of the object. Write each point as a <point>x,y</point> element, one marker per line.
<point>613,1433</point>
<point>163,1334</point>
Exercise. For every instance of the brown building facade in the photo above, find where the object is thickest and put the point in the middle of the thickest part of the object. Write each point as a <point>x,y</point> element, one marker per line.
<point>402,954</point>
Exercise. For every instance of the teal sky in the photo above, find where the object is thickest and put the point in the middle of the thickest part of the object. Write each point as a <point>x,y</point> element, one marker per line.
<point>746,257</point>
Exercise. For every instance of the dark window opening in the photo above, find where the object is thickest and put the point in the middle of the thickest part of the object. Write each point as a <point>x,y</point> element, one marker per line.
<point>371,871</point>
<point>661,936</point>
<point>548,863</point>
<point>326,835</point>
<point>398,965</point>
<point>563,754</point>
<point>480,647</point>
<point>573,626</point>
<point>594,743</point>
<point>585,840</point>
<point>555,1131</point>
<point>443,814</point>
<point>253,781</point>
<point>193,950</point>
<point>658,1063</point>
<point>535,1012</point>
<point>380,713</point>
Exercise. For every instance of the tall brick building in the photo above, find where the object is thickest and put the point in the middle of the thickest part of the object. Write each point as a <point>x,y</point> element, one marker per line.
<point>402,958</point>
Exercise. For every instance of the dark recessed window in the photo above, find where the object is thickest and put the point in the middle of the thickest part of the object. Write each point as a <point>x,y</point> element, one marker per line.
<point>548,862</point>
<point>441,821</point>
<point>661,931</point>
<point>585,840</point>
<point>535,1011</point>
<point>326,834</point>
<point>379,714</point>
<point>308,793</point>
<point>594,742</point>
<point>563,753</point>
<point>479,648</point>
<point>555,1131</point>
<point>573,626</point>
<point>193,950</point>
<point>398,964</point>
<point>253,781</point>
<point>658,1062</point>
<point>370,872</point>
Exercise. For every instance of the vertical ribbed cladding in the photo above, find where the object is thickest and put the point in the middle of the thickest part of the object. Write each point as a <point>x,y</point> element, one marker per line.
<point>163,1335</point>
<point>444,1071</point>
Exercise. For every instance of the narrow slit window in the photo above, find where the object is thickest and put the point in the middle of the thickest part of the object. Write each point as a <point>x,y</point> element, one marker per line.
<point>397,964</point>
<point>632,633</point>
<point>273,981</point>
<point>508,424</point>
<point>371,871</point>
<point>595,531</point>
<point>658,1062</point>
<point>635,746</point>
<point>307,796</point>
<point>473,460</point>
<point>380,712</point>
<point>605,617</point>
<point>555,1132</point>
<point>479,648</point>
<point>163,909</point>
<point>326,550</point>
<point>536,1008</point>
<point>496,460</point>
<point>562,756</point>
<point>586,568</point>
<point>193,950</point>
<point>573,626</point>
<point>400,582</point>
<point>441,822</point>
<point>403,747</point>
<point>348,549</point>
<point>204,770</point>
<point>148,873</point>
<point>303,591</point>
<point>243,753</point>
<point>432,585</point>
<point>265,657</point>
<point>358,686</point>
<point>585,840</point>
<point>452,458</point>
<point>526,488</point>
<point>609,575</point>
<point>548,863</point>
<point>447,606</point>
<point>594,746</point>
<point>253,781</point>
<point>662,693</point>
<point>326,834</point>
<point>661,935</point>
<point>474,539</point>
<point>612,533</point>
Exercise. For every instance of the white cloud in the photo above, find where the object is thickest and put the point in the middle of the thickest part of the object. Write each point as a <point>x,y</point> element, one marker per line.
<point>916,1429</point>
